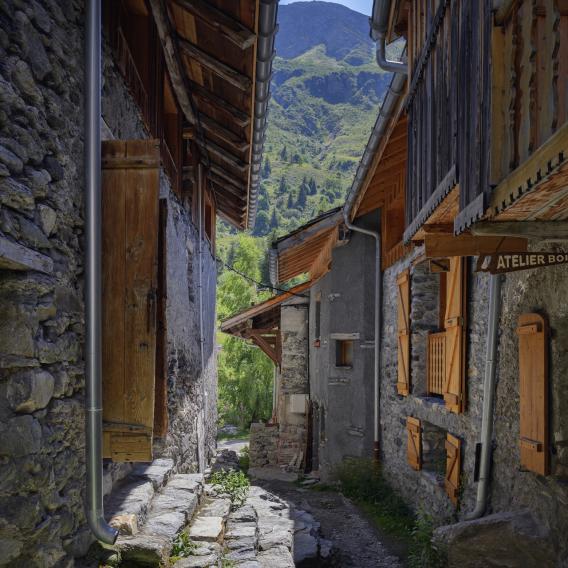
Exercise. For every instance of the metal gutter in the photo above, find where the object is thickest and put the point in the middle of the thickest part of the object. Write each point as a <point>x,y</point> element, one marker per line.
<point>267,29</point>
<point>488,397</point>
<point>379,26</point>
<point>94,508</point>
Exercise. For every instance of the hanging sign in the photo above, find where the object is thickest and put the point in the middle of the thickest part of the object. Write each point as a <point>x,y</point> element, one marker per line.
<point>512,261</point>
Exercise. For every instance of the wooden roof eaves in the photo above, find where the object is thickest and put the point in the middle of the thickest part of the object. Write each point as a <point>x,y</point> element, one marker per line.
<point>264,306</point>
<point>378,155</point>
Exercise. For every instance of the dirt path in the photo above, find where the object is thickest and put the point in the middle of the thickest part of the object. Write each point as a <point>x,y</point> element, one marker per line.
<point>355,540</point>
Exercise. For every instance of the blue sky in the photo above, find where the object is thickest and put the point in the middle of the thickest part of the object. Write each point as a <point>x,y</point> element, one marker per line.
<point>363,6</point>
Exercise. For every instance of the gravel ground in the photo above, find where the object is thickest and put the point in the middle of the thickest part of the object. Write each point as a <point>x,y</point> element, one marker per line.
<point>356,541</point>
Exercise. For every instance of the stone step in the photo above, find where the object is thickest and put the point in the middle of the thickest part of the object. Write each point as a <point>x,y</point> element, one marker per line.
<point>170,510</point>
<point>128,505</point>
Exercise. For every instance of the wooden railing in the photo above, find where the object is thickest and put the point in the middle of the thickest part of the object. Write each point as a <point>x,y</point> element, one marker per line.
<point>436,370</point>
<point>169,164</point>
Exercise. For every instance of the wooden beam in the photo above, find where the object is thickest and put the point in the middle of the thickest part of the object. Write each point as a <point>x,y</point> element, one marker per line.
<point>313,231</point>
<point>173,58</point>
<point>234,221</point>
<point>264,306</point>
<point>225,187</point>
<point>220,172</point>
<point>240,117</point>
<point>224,25</point>
<point>439,246</point>
<point>215,128</point>
<point>438,228</point>
<point>231,201</point>
<point>224,155</point>
<point>265,347</point>
<point>531,172</point>
<point>545,230</point>
<point>232,76</point>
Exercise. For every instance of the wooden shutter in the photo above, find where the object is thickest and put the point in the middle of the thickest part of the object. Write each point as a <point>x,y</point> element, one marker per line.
<point>453,467</point>
<point>454,387</point>
<point>533,390</point>
<point>130,184</point>
<point>403,286</point>
<point>414,445</point>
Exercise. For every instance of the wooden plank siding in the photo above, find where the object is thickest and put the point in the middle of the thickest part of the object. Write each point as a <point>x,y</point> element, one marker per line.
<point>447,104</point>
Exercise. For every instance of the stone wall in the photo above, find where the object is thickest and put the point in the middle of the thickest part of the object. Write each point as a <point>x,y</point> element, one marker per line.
<point>263,445</point>
<point>510,488</point>
<point>42,472</point>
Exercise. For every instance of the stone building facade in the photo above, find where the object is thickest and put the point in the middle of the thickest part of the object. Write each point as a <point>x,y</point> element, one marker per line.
<point>42,327</point>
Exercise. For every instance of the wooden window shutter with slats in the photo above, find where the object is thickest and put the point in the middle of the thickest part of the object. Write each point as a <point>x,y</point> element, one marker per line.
<point>414,445</point>
<point>533,390</point>
<point>403,310</point>
<point>453,467</point>
<point>130,188</point>
<point>454,387</point>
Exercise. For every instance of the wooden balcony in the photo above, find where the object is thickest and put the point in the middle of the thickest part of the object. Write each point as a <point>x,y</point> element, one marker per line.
<point>436,368</point>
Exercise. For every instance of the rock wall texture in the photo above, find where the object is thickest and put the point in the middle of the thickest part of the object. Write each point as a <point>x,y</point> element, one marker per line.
<point>263,445</point>
<point>510,488</point>
<point>342,397</point>
<point>42,314</point>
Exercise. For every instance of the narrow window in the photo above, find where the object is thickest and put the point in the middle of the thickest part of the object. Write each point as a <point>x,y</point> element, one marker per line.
<point>344,353</point>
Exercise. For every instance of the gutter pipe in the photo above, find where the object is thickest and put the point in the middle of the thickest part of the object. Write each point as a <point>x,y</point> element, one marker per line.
<point>379,26</point>
<point>488,397</point>
<point>200,216</point>
<point>94,508</point>
<point>267,29</point>
<point>376,235</point>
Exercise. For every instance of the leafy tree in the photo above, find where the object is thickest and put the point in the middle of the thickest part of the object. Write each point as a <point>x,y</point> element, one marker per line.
<point>245,372</point>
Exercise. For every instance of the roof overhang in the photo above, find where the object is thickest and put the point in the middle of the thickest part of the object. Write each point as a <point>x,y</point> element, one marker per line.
<point>307,250</point>
<point>219,56</point>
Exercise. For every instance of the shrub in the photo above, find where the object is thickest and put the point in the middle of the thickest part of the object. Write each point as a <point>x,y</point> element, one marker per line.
<point>182,547</point>
<point>233,483</point>
<point>424,553</point>
<point>244,458</point>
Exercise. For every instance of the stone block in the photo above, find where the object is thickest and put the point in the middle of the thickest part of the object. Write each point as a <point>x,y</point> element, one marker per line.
<point>192,482</point>
<point>176,500</point>
<point>216,508</point>
<point>502,539</point>
<point>157,472</point>
<point>125,524</point>
<point>209,529</point>
<point>132,498</point>
<point>276,557</point>
<point>198,561</point>
<point>20,436</point>
<point>166,524</point>
<point>30,390</point>
<point>144,550</point>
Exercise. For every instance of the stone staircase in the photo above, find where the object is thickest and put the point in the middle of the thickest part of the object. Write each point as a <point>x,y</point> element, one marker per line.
<point>153,505</point>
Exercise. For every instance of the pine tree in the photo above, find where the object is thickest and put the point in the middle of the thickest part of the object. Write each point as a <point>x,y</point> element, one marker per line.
<point>284,154</point>
<point>302,198</point>
<point>313,186</point>
<point>290,204</point>
<point>283,186</point>
<point>274,220</point>
<point>267,170</point>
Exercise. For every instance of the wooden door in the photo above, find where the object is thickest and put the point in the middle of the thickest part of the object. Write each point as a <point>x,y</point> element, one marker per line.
<point>130,187</point>
<point>403,316</point>
<point>454,387</point>
<point>533,392</point>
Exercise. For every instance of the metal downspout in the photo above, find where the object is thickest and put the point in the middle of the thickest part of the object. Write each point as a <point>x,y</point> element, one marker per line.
<point>376,235</point>
<point>94,508</point>
<point>488,397</point>
<point>379,25</point>
<point>200,286</point>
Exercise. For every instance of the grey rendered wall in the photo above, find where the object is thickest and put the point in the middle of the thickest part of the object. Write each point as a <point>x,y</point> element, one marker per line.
<point>511,489</point>
<point>41,315</point>
<point>345,395</point>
